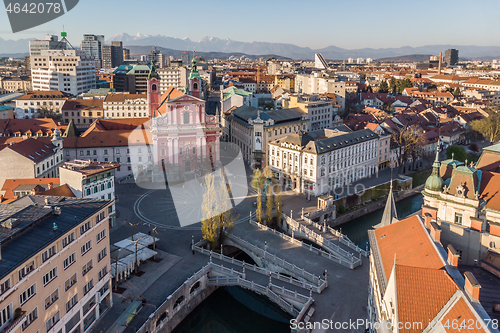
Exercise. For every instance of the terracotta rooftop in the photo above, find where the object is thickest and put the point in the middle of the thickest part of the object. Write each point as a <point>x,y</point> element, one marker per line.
<point>11,184</point>
<point>120,98</point>
<point>409,242</point>
<point>421,294</point>
<point>32,149</point>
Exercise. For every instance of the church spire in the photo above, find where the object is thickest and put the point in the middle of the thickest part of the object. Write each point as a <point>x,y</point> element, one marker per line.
<point>390,214</point>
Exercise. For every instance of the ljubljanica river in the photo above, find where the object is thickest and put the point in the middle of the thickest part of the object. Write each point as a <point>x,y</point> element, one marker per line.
<point>235,310</point>
<point>357,229</point>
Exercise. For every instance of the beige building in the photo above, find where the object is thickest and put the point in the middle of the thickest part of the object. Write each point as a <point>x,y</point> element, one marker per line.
<point>31,158</point>
<point>83,112</point>
<point>32,104</point>
<point>13,84</point>
<point>54,269</point>
<point>88,179</point>
<point>125,106</point>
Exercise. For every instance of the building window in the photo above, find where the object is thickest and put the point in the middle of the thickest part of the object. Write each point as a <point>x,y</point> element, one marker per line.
<point>101,235</point>
<point>4,287</point>
<point>52,321</point>
<point>186,117</point>
<point>69,260</point>
<point>51,275</point>
<point>68,239</point>
<point>458,218</point>
<point>86,247</point>
<point>70,282</point>
<point>49,300</point>
<point>102,273</point>
<point>87,267</point>
<point>26,270</point>
<point>48,253</point>
<point>27,294</point>
<point>71,303</point>
<point>85,227</point>
<point>102,254</point>
<point>30,318</point>
<point>87,287</point>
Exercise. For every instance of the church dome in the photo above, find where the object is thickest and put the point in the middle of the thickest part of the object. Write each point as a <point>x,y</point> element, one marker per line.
<point>434,183</point>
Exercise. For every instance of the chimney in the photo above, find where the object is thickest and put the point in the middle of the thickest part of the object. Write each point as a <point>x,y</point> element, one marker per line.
<point>51,185</point>
<point>452,256</point>
<point>427,220</point>
<point>472,287</point>
<point>46,201</point>
<point>440,60</point>
<point>435,231</point>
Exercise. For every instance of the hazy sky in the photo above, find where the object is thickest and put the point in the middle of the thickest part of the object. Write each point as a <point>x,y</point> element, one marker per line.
<point>347,24</point>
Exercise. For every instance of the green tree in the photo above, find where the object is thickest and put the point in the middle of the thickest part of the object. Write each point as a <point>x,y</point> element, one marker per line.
<point>457,91</point>
<point>393,85</point>
<point>216,211</point>
<point>489,127</point>
<point>458,153</point>
<point>278,203</point>
<point>269,206</point>
<point>403,84</point>
<point>383,87</point>
<point>258,211</point>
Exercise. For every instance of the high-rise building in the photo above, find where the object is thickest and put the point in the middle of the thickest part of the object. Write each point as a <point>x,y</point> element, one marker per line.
<point>68,71</point>
<point>51,42</point>
<point>451,57</point>
<point>185,59</point>
<point>126,54</point>
<point>173,77</point>
<point>92,45</point>
<point>112,55</point>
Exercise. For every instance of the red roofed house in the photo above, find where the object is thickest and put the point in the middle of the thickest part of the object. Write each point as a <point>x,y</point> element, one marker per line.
<point>31,158</point>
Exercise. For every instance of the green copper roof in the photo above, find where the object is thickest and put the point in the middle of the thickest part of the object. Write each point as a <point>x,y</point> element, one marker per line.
<point>152,71</point>
<point>435,182</point>
<point>495,148</point>
<point>194,71</point>
<point>235,91</point>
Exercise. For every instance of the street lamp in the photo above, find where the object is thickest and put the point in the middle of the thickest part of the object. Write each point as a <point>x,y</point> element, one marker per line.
<point>116,268</point>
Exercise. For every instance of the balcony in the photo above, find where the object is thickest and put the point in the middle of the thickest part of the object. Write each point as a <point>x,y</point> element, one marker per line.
<point>15,324</point>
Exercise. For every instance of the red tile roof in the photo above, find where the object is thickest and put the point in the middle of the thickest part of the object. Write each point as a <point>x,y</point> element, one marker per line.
<point>421,294</point>
<point>10,184</point>
<point>34,150</point>
<point>409,242</point>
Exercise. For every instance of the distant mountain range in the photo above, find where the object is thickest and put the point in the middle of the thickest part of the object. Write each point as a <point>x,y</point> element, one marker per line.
<point>231,47</point>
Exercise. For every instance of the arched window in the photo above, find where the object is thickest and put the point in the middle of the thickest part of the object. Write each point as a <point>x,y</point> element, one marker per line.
<point>195,86</point>
<point>153,87</point>
<point>186,117</point>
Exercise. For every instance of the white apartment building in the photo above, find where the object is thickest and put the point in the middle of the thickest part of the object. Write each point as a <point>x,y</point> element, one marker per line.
<point>68,71</point>
<point>125,106</point>
<point>173,77</point>
<point>321,83</point>
<point>89,179</point>
<point>92,46</point>
<point>318,162</point>
<point>51,42</point>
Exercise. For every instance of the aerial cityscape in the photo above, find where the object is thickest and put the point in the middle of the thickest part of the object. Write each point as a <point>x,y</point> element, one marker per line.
<point>285,176</point>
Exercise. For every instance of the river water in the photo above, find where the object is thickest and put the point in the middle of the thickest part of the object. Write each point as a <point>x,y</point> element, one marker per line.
<point>235,310</point>
<point>357,229</point>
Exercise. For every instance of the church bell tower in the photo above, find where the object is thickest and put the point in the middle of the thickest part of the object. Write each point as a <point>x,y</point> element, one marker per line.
<point>153,90</point>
